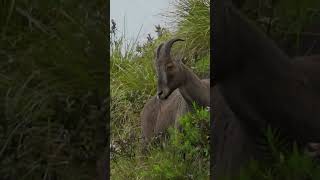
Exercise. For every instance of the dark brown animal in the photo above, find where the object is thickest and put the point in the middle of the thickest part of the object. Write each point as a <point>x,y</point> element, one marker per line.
<point>178,88</point>
<point>233,145</point>
<point>310,66</point>
<point>261,86</point>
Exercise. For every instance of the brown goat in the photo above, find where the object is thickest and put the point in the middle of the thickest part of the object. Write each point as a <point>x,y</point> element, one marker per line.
<point>178,88</point>
<point>158,115</point>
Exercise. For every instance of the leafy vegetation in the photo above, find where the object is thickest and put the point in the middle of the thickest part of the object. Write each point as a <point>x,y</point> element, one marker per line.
<point>183,155</point>
<point>186,154</point>
<point>282,160</point>
<point>285,161</point>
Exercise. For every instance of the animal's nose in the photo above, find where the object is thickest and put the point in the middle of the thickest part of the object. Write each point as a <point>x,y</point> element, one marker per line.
<point>160,93</point>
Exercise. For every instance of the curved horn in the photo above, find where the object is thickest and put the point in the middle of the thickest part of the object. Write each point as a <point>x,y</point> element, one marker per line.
<point>157,51</point>
<point>167,46</point>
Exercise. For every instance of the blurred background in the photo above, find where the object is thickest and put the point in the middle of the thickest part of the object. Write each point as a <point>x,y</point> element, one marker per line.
<point>53,85</point>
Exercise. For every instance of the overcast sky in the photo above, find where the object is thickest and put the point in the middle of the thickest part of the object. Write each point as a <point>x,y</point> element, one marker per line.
<point>136,14</point>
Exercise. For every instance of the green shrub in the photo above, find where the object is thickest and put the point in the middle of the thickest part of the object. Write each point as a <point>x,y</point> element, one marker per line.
<point>284,162</point>
<point>186,153</point>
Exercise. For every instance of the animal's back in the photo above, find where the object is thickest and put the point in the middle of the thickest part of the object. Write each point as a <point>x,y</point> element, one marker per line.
<point>310,65</point>
<point>148,117</point>
<point>158,115</point>
<point>171,110</point>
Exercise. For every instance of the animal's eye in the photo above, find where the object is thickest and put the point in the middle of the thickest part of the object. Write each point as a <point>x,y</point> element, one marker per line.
<point>169,66</point>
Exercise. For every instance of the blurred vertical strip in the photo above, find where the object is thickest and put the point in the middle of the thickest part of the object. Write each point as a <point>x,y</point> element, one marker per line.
<point>54,89</point>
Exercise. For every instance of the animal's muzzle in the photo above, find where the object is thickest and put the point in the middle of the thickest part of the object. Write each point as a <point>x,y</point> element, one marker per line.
<point>162,95</point>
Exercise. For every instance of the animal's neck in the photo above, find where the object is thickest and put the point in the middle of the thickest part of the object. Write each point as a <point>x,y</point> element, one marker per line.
<point>248,64</point>
<point>244,46</point>
<point>256,76</point>
<point>193,89</point>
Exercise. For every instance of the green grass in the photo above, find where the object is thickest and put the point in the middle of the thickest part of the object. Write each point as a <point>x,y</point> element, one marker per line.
<point>192,20</point>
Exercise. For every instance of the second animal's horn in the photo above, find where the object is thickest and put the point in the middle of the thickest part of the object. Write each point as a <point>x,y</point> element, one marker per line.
<point>167,46</point>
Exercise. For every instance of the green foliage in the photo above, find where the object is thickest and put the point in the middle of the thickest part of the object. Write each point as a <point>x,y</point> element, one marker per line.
<point>185,155</point>
<point>194,132</point>
<point>294,165</point>
<point>281,160</point>
<point>202,67</point>
<point>284,162</point>
<point>192,20</point>
<point>52,87</point>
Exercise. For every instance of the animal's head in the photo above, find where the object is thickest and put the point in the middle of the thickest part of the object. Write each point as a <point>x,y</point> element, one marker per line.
<point>169,71</point>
